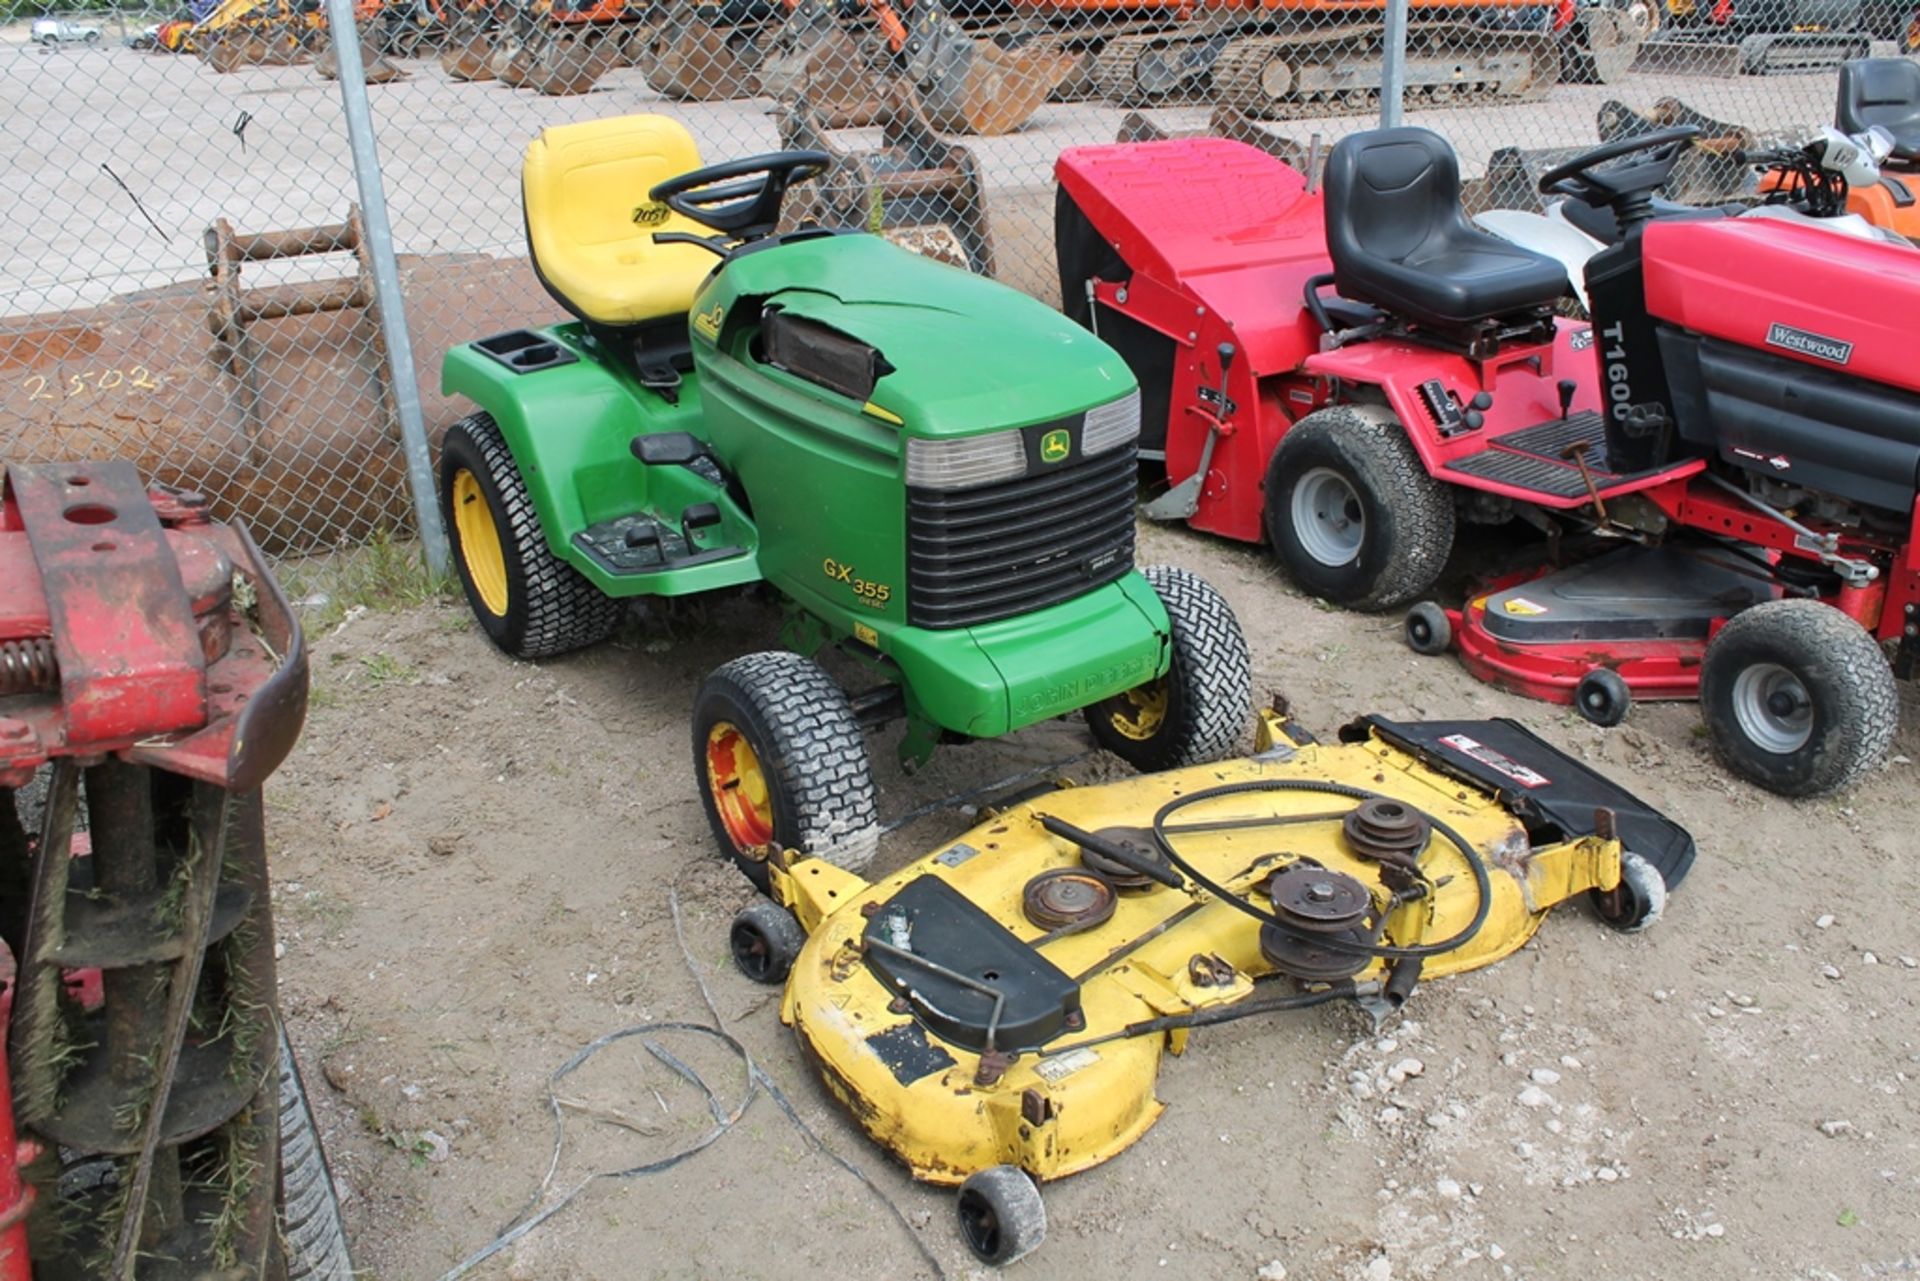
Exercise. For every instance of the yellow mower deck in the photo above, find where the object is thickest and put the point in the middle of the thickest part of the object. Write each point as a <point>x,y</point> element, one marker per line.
<point>1087,1092</point>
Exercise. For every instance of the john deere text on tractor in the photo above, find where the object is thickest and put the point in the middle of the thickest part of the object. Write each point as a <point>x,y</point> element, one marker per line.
<point>1350,373</point>
<point>996,1012</point>
<point>935,471</point>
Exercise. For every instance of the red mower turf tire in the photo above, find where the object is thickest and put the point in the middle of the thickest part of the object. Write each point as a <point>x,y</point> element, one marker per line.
<point>781,763</point>
<point>1351,512</point>
<point>529,602</point>
<point>1798,697</point>
<point>1198,711</point>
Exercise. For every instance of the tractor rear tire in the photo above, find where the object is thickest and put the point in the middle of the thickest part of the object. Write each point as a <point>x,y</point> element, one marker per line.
<point>310,1230</point>
<point>1351,511</point>
<point>1002,1218</point>
<point>1198,711</point>
<point>1798,697</point>
<point>782,764</point>
<point>528,601</point>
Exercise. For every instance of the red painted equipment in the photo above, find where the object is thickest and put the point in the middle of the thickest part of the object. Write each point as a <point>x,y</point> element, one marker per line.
<point>1350,373</point>
<point>151,677</point>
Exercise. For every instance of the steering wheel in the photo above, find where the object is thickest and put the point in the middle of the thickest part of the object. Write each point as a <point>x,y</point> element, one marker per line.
<point>740,198</point>
<point>1576,177</point>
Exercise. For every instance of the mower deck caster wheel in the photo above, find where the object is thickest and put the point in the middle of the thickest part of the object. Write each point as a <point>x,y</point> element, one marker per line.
<point>1427,629</point>
<point>765,941</point>
<point>1636,903</point>
<point>1602,696</point>
<point>1798,697</point>
<point>1001,1215</point>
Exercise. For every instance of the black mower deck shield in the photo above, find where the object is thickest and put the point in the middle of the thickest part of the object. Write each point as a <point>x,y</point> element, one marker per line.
<point>1540,783</point>
<point>944,955</point>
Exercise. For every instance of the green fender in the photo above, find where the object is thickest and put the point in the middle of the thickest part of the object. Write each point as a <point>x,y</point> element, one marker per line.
<point>570,429</point>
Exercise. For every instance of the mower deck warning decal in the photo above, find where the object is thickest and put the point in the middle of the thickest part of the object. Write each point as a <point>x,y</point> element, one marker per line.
<point>1809,344</point>
<point>1061,1066</point>
<point>1476,750</point>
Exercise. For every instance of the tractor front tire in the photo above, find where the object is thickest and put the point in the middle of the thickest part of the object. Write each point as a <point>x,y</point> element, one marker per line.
<point>1798,697</point>
<point>528,601</point>
<point>1351,511</point>
<point>1197,712</point>
<point>782,764</point>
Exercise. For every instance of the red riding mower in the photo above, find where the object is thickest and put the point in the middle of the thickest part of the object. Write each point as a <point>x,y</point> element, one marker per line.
<point>1350,373</point>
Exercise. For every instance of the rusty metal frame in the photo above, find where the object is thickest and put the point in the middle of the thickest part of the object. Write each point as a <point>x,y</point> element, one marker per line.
<point>231,308</point>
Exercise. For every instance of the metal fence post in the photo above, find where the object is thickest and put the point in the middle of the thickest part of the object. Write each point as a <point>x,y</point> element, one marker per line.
<point>1393,64</point>
<point>386,279</point>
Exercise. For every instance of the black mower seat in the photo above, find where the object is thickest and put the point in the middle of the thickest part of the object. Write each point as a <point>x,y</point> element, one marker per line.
<point>1399,239</point>
<point>1884,92</point>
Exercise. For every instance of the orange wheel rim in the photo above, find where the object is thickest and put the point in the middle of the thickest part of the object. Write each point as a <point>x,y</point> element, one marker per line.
<point>738,786</point>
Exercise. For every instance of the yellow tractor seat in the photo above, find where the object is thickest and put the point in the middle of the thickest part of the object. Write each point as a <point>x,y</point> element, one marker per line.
<point>590,223</point>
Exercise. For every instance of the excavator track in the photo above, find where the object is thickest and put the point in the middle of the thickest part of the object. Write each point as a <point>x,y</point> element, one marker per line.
<point>1137,70</point>
<point>1336,70</point>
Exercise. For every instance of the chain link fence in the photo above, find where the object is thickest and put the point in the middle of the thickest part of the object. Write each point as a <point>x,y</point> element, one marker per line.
<point>189,286</point>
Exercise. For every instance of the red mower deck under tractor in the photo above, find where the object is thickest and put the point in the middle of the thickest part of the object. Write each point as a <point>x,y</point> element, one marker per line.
<point>1350,372</point>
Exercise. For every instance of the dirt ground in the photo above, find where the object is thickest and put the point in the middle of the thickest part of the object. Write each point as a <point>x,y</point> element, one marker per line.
<point>474,861</point>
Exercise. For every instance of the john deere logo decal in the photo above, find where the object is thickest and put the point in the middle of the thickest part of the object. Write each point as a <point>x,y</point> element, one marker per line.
<point>707,323</point>
<point>651,214</point>
<point>1055,446</point>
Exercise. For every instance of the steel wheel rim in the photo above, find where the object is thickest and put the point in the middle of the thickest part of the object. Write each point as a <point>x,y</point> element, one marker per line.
<point>1773,708</point>
<point>739,789</point>
<point>1327,517</point>
<point>481,553</point>
<point>1139,713</point>
<point>1642,17</point>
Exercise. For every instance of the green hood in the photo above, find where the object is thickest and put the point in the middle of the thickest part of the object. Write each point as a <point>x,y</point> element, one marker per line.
<point>968,354</point>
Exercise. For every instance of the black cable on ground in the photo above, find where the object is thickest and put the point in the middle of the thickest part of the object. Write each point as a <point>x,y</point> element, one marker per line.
<point>533,1215</point>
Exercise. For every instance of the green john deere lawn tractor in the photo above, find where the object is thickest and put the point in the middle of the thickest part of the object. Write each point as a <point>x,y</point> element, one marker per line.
<point>937,474</point>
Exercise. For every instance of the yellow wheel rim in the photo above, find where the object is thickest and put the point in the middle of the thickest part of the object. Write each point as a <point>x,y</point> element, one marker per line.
<point>481,554</point>
<point>738,786</point>
<point>1139,713</point>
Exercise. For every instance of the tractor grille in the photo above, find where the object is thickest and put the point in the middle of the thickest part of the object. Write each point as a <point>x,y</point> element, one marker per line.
<point>976,555</point>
